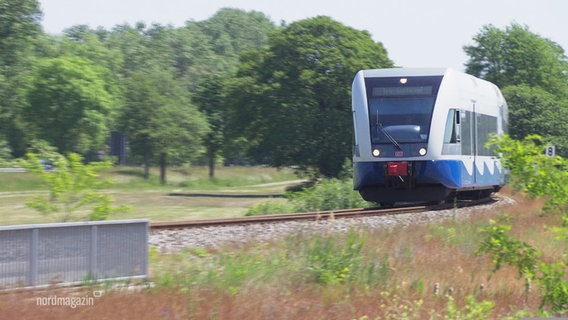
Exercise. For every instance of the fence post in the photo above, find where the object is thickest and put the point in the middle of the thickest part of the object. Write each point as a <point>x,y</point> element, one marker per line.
<point>146,248</point>
<point>93,253</point>
<point>34,251</point>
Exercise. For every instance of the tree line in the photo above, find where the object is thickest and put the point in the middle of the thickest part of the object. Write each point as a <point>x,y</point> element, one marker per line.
<point>235,87</point>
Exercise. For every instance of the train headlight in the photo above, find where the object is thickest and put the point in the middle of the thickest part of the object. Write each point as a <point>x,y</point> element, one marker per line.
<point>422,151</point>
<point>376,152</point>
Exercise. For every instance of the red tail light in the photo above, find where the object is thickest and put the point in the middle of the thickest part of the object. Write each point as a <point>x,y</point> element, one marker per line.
<point>397,168</point>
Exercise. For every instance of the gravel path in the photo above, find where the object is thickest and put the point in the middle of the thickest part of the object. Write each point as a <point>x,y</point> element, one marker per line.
<point>168,241</point>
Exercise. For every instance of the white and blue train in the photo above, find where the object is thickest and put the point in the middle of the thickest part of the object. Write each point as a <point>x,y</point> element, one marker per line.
<point>420,135</point>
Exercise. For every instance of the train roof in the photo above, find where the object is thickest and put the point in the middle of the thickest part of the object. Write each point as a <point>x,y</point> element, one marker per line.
<point>455,75</point>
<point>401,72</point>
<point>462,80</point>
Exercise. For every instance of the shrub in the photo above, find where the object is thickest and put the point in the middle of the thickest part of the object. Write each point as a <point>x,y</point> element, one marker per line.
<point>539,176</point>
<point>473,310</point>
<point>329,194</point>
<point>331,261</point>
<point>533,172</point>
<point>72,186</point>
<point>269,207</point>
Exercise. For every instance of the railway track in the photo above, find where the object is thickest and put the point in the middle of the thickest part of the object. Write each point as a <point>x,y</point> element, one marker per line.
<point>313,216</point>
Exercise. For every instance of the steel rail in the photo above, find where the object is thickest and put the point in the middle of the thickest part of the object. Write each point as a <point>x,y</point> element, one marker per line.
<point>314,216</point>
<point>317,215</point>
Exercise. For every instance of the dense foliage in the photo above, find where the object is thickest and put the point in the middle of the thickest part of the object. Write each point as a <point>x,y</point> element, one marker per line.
<point>159,120</point>
<point>19,30</point>
<point>69,104</point>
<point>535,173</point>
<point>539,176</point>
<point>292,100</point>
<point>533,74</point>
<point>234,87</point>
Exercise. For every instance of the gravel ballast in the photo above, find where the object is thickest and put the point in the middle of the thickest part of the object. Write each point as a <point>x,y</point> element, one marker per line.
<point>171,241</point>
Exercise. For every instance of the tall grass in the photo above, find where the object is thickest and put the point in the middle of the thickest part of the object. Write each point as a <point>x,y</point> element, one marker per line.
<point>327,260</point>
<point>416,272</point>
<point>341,262</point>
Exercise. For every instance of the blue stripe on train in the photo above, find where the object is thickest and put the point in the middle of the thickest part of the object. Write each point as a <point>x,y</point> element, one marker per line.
<point>450,173</point>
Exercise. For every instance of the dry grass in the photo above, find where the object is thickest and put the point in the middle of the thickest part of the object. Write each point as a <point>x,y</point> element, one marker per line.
<point>252,303</point>
<point>420,258</point>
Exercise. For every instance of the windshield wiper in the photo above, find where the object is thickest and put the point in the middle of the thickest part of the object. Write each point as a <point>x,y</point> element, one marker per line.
<point>389,136</point>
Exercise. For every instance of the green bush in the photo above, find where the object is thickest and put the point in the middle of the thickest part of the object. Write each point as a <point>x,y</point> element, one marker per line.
<point>538,176</point>
<point>473,310</point>
<point>331,261</point>
<point>269,207</point>
<point>533,172</point>
<point>329,194</point>
<point>73,187</point>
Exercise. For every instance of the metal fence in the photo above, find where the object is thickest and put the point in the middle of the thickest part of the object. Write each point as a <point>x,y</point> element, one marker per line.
<point>48,254</point>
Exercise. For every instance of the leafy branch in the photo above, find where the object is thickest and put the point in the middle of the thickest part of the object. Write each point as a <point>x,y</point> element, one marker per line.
<point>73,186</point>
<point>538,176</point>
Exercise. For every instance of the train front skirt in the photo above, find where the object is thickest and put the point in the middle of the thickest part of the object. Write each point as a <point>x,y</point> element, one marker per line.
<point>416,181</point>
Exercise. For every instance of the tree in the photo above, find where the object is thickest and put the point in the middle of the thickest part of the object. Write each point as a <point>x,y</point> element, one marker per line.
<point>533,110</point>
<point>69,104</point>
<point>292,99</point>
<point>516,56</point>
<point>160,122</point>
<point>212,46</point>
<point>209,98</point>
<point>81,41</point>
<point>5,153</point>
<point>133,45</point>
<point>19,27</point>
<point>232,31</point>
<point>193,52</point>
<point>533,75</point>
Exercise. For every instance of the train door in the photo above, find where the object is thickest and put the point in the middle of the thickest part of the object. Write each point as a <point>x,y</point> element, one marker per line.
<point>468,144</point>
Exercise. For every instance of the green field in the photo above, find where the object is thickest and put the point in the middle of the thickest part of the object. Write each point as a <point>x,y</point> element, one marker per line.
<point>188,193</point>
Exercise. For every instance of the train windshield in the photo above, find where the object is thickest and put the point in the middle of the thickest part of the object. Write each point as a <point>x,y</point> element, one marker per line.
<point>404,119</point>
<point>400,108</point>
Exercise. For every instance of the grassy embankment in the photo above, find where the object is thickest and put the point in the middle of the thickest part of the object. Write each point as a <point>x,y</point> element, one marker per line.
<point>149,199</point>
<point>380,274</point>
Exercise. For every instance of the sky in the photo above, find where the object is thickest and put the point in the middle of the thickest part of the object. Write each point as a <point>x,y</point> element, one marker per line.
<point>415,33</point>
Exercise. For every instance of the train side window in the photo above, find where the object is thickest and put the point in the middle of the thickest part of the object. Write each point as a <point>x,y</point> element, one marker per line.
<point>486,125</point>
<point>451,133</point>
<point>466,126</point>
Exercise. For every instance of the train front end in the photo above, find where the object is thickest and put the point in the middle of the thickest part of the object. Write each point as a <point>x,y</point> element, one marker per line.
<point>392,154</point>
